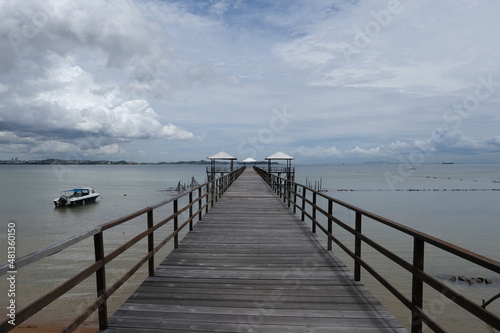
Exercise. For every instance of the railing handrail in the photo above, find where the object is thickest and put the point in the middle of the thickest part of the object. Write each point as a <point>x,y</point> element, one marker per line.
<point>289,191</point>
<point>48,251</point>
<point>213,189</point>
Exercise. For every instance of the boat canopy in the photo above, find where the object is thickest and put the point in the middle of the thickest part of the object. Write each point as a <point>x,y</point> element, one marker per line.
<point>78,189</point>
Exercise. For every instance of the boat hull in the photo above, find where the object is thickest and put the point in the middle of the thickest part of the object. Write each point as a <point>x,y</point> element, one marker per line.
<point>64,201</point>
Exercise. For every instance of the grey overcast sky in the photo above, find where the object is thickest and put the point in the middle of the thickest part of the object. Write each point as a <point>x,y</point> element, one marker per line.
<point>339,81</point>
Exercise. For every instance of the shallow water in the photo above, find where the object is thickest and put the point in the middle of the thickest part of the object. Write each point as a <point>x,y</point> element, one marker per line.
<point>458,203</point>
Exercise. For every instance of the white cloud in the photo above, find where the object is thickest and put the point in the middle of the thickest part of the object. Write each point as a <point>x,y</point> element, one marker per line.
<point>441,141</point>
<point>372,152</point>
<point>399,47</point>
<point>318,151</point>
<point>68,71</point>
<point>12,137</point>
<point>112,149</point>
<point>69,98</point>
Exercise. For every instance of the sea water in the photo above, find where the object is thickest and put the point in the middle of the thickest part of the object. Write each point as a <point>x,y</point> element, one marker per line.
<point>26,200</point>
<point>458,203</point>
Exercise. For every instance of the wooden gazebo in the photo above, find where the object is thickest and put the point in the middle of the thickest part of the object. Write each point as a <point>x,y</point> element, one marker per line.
<point>222,169</point>
<point>287,170</point>
<point>249,160</point>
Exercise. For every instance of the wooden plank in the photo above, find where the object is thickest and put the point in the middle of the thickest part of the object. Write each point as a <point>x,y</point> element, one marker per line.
<point>251,265</point>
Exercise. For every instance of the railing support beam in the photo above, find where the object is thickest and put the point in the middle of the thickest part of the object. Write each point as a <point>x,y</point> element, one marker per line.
<point>151,245</point>
<point>176,225</point>
<point>200,215</point>
<point>417,295</point>
<point>294,198</point>
<point>357,248</point>
<point>100,275</point>
<point>303,203</point>
<point>330,224</point>
<point>314,214</point>
<point>191,211</point>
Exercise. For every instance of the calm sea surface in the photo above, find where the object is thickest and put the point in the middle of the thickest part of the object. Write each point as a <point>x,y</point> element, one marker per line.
<point>458,203</point>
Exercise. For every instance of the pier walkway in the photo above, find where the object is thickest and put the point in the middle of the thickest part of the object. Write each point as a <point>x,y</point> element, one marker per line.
<point>250,265</point>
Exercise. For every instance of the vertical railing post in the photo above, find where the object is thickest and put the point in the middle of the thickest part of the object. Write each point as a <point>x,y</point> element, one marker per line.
<point>417,294</point>
<point>176,224</point>
<point>294,198</point>
<point>303,203</point>
<point>217,189</point>
<point>285,184</point>
<point>314,213</point>
<point>151,244</point>
<point>200,203</point>
<point>207,198</point>
<point>213,186</point>
<point>101,280</point>
<point>288,193</point>
<point>222,185</point>
<point>191,210</point>
<point>330,224</point>
<point>357,249</point>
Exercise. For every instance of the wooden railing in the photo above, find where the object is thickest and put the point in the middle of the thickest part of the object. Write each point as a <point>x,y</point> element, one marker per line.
<point>219,169</point>
<point>305,199</point>
<point>281,169</point>
<point>199,198</point>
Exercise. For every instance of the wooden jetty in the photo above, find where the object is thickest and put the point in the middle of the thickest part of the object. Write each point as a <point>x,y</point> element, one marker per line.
<point>250,265</point>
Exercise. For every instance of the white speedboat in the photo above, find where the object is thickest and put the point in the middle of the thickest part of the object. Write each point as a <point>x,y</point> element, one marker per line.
<point>77,196</point>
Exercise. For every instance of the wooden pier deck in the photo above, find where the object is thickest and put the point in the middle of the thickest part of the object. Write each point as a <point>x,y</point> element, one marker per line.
<point>251,266</point>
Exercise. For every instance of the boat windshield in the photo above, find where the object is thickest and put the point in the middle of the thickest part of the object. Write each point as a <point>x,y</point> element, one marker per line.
<point>77,192</point>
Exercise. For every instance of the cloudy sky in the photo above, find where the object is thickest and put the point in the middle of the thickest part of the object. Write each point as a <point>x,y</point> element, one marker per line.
<point>327,81</point>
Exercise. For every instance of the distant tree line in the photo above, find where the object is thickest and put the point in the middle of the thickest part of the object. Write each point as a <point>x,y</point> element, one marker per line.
<point>55,161</point>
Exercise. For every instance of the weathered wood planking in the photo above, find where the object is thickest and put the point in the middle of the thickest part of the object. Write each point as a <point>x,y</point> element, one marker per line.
<point>251,266</point>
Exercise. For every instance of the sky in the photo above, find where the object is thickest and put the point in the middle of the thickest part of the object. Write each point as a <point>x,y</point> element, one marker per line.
<point>338,81</point>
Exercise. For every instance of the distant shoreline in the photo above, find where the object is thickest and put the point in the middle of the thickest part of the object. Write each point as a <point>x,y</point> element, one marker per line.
<point>104,162</point>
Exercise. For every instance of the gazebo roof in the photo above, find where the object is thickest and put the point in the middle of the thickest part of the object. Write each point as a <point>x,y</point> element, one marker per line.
<point>249,160</point>
<point>222,156</point>
<point>279,156</point>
